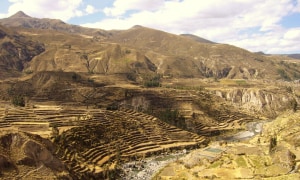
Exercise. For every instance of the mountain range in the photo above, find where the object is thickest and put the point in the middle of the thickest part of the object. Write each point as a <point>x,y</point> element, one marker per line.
<point>98,99</point>
<point>31,44</point>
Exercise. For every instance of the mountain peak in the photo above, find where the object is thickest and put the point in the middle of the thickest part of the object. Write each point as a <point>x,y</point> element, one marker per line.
<point>20,14</point>
<point>136,27</point>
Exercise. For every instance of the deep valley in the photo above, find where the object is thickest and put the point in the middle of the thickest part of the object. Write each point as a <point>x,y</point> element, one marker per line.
<point>82,103</point>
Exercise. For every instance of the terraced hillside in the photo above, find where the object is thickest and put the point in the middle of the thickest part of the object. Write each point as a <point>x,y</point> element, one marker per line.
<point>252,159</point>
<point>102,98</point>
<point>92,142</point>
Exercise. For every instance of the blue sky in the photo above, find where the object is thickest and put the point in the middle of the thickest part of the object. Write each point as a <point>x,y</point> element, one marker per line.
<point>271,26</point>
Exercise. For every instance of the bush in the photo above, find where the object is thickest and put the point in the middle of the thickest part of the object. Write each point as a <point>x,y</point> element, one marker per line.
<point>75,77</point>
<point>152,80</point>
<point>131,76</point>
<point>112,107</point>
<point>152,83</point>
<point>18,100</point>
<point>172,117</point>
<point>127,51</point>
<point>294,105</point>
<point>28,71</point>
<point>283,75</point>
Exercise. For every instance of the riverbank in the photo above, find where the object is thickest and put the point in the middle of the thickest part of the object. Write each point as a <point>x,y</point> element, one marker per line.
<point>145,169</point>
<point>246,155</point>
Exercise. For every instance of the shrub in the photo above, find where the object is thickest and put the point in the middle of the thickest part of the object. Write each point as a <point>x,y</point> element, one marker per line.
<point>127,51</point>
<point>273,144</point>
<point>152,80</point>
<point>294,105</point>
<point>75,77</point>
<point>90,80</point>
<point>283,75</point>
<point>112,107</point>
<point>131,76</point>
<point>18,100</point>
<point>172,117</point>
<point>28,71</point>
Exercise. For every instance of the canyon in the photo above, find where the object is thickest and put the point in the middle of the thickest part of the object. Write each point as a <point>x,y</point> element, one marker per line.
<point>81,103</point>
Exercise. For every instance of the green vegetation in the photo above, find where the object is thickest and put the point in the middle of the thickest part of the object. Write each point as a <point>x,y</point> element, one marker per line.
<point>112,107</point>
<point>173,117</point>
<point>259,59</point>
<point>182,87</point>
<point>256,161</point>
<point>240,160</point>
<point>91,81</point>
<point>131,76</point>
<point>164,158</point>
<point>290,67</point>
<point>296,75</point>
<point>75,77</point>
<point>294,105</point>
<point>55,131</point>
<point>28,71</point>
<point>241,82</point>
<point>283,75</point>
<point>273,144</point>
<point>215,164</point>
<point>152,80</point>
<point>18,100</point>
<point>127,51</point>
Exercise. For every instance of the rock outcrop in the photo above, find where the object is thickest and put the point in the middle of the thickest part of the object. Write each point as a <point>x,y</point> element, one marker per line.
<point>266,102</point>
<point>24,155</point>
<point>245,160</point>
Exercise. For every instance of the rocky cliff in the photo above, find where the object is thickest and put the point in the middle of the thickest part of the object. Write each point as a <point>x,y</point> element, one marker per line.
<point>27,156</point>
<point>253,159</point>
<point>267,102</point>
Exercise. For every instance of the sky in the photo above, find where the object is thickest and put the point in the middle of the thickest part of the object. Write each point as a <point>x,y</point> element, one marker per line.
<point>270,26</point>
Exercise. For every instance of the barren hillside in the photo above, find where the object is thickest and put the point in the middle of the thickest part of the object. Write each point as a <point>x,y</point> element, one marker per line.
<point>78,103</point>
<point>16,52</point>
<point>140,50</point>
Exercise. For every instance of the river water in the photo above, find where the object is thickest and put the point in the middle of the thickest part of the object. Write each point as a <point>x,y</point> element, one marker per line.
<point>148,167</point>
<point>252,129</point>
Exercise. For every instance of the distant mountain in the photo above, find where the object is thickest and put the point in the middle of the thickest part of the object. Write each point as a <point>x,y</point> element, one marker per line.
<point>196,38</point>
<point>20,14</point>
<point>260,53</point>
<point>20,19</point>
<point>140,50</point>
<point>295,56</point>
<point>180,56</point>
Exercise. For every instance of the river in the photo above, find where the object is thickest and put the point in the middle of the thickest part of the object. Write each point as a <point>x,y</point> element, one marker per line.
<point>252,129</point>
<point>148,167</point>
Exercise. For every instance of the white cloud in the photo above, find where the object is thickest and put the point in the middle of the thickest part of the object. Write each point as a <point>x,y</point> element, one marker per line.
<point>110,24</point>
<point>121,6</point>
<point>63,9</point>
<point>297,7</point>
<point>277,41</point>
<point>188,15</point>
<point>227,21</point>
<point>293,34</point>
<point>3,15</point>
<point>250,24</point>
<point>90,9</point>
